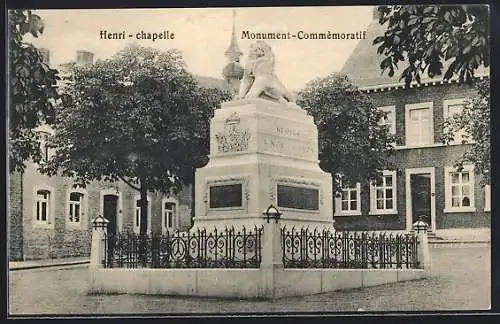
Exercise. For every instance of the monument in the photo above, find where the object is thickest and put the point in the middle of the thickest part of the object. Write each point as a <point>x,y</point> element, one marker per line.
<point>263,151</point>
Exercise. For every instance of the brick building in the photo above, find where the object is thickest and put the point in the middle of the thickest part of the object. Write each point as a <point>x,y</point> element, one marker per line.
<point>424,182</point>
<point>48,218</point>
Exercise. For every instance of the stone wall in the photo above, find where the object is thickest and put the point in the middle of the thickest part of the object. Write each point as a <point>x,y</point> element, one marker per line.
<point>31,240</point>
<point>55,238</point>
<point>15,216</point>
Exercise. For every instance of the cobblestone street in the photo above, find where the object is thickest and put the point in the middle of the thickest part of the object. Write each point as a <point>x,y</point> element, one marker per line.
<point>461,281</point>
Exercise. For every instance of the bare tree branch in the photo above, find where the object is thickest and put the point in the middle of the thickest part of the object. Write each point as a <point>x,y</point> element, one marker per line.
<point>129,183</point>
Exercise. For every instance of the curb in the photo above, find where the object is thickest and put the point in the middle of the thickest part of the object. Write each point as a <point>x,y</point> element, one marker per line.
<point>48,265</point>
<point>446,243</point>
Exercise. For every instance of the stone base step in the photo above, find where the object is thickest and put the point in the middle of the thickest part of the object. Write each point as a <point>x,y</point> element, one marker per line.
<point>432,237</point>
<point>458,244</point>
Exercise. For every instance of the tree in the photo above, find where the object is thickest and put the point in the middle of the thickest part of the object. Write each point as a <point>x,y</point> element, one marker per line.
<point>352,142</point>
<point>135,118</point>
<point>32,89</point>
<point>199,148</point>
<point>428,37</point>
<point>474,121</point>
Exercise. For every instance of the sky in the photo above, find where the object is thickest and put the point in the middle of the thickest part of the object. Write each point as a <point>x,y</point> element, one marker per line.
<point>203,34</point>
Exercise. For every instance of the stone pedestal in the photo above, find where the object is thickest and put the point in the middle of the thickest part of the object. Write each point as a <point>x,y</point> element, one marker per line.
<point>97,249</point>
<point>272,261</point>
<point>424,257</point>
<point>262,153</point>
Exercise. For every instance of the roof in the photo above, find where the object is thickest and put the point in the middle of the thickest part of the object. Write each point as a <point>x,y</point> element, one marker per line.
<point>210,82</point>
<point>233,49</point>
<point>363,66</point>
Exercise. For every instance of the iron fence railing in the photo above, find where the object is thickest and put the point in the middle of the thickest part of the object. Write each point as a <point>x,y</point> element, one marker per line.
<point>228,248</point>
<point>304,248</point>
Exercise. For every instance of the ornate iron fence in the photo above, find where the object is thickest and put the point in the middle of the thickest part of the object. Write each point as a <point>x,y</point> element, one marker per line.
<point>225,249</point>
<point>324,249</point>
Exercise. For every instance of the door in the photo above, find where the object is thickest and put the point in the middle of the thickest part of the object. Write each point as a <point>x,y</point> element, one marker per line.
<point>421,197</point>
<point>110,211</point>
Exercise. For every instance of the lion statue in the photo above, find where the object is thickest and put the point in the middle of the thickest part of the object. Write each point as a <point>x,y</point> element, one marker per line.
<point>259,79</point>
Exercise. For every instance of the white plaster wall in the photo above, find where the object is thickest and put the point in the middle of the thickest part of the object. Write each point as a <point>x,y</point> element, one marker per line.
<point>243,283</point>
<point>182,282</point>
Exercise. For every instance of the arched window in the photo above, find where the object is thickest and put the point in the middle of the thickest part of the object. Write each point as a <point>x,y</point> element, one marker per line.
<point>75,207</point>
<point>42,212</point>
<point>137,216</point>
<point>44,139</point>
<point>169,214</point>
<point>42,205</point>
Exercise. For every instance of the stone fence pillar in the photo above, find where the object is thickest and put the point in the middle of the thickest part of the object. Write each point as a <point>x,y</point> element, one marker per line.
<point>271,252</point>
<point>420,229</point>
<point>97,250</point>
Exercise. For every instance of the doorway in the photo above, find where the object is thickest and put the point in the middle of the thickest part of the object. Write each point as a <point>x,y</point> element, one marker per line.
<point>420,197</point>
<point>110,209</point>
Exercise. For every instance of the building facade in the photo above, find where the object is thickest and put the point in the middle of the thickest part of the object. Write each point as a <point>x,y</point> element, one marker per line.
<point>425,183</point>
<point>49,218</point>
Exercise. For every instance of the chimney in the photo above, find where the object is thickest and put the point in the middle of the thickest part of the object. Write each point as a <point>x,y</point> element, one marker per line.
<point>84,57</point>
<point>376,14</point>
<point>45,55</point>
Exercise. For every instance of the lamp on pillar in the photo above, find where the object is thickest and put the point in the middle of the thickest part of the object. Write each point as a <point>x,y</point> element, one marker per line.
<point>420,225</point>
<point>100,222</point>
<point>272,213</point>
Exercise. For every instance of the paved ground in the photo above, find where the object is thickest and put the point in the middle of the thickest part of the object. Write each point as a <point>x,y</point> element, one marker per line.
<point>461,281</point>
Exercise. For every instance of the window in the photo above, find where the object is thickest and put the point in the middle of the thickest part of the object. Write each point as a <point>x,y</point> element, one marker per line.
<point>76,206</point>
<point>452,107</point>
<point>390,118</point>
<point>137,217</point>
<point>487,201</point>
<point>44,138</point>
<point>419,124</point>
<point>169,213</point>
<point>459,189</point>
<point>383,194</point>
<point>43,206</point>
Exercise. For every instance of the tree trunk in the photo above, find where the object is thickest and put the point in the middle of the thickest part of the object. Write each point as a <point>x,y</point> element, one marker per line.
<point>144,209</point>
<point>192,203</point>
<point>143,239</point>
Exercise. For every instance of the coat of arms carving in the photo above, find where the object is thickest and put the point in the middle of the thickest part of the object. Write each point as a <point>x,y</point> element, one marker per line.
<point>233,139</point>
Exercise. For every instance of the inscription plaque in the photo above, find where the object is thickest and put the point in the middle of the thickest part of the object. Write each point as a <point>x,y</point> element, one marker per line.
<point>298,197</point>
<point>222,196</point>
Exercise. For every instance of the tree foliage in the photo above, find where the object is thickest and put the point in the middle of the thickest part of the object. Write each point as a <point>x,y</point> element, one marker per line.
<point>428,37</point>
<point>474,121</point>
<point>32,89</point>
<point>423,37</point>
<point>139,117</point>
<point>199,148</point>
<point>352,142</point>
